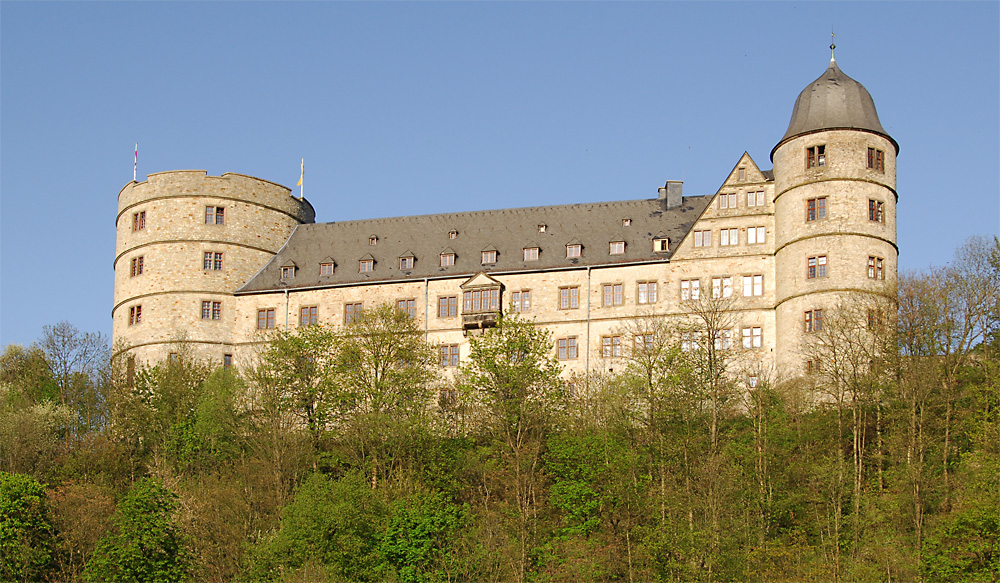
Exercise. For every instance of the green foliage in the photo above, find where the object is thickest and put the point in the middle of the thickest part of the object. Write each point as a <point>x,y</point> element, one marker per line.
<point>26,532</point>
<point>330,528</point>
<point>145,543</point>
<point>966,548</point>
<point>418,540</point>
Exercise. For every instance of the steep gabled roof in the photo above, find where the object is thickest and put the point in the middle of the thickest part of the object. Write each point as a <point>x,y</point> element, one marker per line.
<point>595,225</point>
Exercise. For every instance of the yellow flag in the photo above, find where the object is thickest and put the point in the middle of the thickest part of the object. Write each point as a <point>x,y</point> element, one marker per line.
<point>302,173</point>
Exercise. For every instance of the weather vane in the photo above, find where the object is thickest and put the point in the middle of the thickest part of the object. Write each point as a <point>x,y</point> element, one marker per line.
<point>832,45</point>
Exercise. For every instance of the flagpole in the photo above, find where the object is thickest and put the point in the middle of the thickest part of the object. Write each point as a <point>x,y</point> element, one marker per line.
<point>302,175</point>
<point>135,164</point>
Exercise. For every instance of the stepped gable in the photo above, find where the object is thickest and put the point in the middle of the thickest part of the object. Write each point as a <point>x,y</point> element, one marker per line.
<point>508,231</point>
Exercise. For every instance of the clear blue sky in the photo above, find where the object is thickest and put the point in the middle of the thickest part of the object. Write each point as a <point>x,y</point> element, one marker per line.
<point>405,108</point>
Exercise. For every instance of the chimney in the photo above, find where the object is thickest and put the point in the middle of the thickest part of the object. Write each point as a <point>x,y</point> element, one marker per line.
<point>670,194</point>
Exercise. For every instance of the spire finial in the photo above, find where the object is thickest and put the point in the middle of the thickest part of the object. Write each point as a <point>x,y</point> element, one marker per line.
<point>832,46</point>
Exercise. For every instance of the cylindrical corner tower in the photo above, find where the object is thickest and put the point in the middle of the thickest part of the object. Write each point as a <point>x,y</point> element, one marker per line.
<point>835,209</point>
<point>185,242</point>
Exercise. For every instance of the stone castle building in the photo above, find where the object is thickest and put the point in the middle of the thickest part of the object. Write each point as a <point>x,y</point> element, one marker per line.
<point>209,261</point>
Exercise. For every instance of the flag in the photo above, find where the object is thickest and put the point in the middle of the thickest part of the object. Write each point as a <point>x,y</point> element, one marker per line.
<point>302,172</point>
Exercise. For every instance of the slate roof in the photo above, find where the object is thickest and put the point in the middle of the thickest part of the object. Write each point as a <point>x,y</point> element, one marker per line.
<point>833,101</point>
<point>509,231</point>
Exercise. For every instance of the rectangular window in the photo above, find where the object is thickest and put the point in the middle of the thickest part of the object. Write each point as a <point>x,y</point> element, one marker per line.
<point>134,315</point>
<point>742,174</point>
<point>136,266</point>
<point>611,346</point>
<point>215,215</point>
<point>617,247</point>
<point>816,267</point>
<point>326,269</point>
<point>227,361</point>
<point>752,337</point>
<point>646,293</point>
<point>366,265</point>
<point>812,367</point>
<point>521,300</point>
<point>138,221</point>
<point>447,259</point>
<point>729,237</point>
<point>566,348</point>
<point>308,315</point>
<point>211,310</point>
<point>661,245</point>
<point>613,294</point>
<point>815,156</point>
<point>569,297</point>
<point>875,211</point>
<point>876,159</point>
<point>489,257</point>
<point>352,312</point>
<point>755,235</point>
<point>755,198</point>
<point>265,319</point>
<point>447,306</point>
<point>816,209</point>
<point>406,262</point>
<point>727,201</point>
<point>690,289</point>
<point>753,285</point>
<point>481,300</point>
<point>690,341</point>
<point>531,253</point>
<point>722,287</point>
<point>287,272</point>
<point>703,238</point>
<point>723,340</point>
<point>449,354</point>
<point>408,307</point>
<point>574,250</point>
<point>875,270</point>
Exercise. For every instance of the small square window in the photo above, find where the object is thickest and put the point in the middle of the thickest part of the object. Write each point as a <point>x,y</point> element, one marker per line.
<point>215,215</point>
<point>690,289</point>
<point>541,228</point>
<point>352,312</point>
<point>611,346</point>
<point>373,240</point>
<point>308,315</point>
<point>326,269</point>
<point>366,265</point>
<point>729,237</point>
<point>566,348</point>
<point>755,235</point>
<point>211,310</point>
<point>617,247</point>
<point>662,244</point>
<point>452,234</point>
<point>727,201</point>
<point>755,198</point>
<point>752,337</point>
<point>406,262</point>
<point>531,253</point>
<point>408,307</point>
<point>449,354</point>
<point>626,222</point>
<point>287,272</point>
<point>213,261</point>
<point>753,285</point>
<point>489,257</point>
<point>574,250</point>
<point>447,259</point>
<point>722,287</point>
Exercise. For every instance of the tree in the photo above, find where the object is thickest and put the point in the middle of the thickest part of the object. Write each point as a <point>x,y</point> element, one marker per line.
<point>145,543</point>
<point>26,532</point>
<point>513,382</point>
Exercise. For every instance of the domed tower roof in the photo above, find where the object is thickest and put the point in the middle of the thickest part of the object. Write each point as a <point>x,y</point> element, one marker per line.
<point>834,101</point>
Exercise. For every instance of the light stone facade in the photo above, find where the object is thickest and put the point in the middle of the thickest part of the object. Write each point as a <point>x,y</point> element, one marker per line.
<point>764,215</point>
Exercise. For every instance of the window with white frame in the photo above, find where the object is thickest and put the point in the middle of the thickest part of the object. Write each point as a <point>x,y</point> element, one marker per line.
<point>613,295</point>
<point>611,346</point>
<point>753,337</point>
<point>703,238</point>
<point>690,289</point>
<point>756,198</point>
<point>727,201</point>
<point>723,340</point>
<point>722,287</point>
<point>617,248</point>
<point>729,237</point>
<point>755,235</point>
<point>521,300</point>
<point>531,253</point>
<point>566,348</point>
<point>753,285</point>
<point>646,292</point>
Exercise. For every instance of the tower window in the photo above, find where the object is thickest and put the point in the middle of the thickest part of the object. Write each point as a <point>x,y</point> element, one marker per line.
<point>816,267</point>
<point>815,156</point>
<point>814,320</point>
<point>816,209</point>
<point>875,269</point>
<point>876,159</point>
<point>138,221</point>
<point>213,262</point>
<point>134,315</point>
<point>211,310</point>
<point>875,211</point>
<point>215,215</point>
<point>136,266</point>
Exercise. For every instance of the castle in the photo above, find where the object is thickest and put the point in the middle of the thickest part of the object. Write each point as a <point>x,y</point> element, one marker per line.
<point>210,261</point>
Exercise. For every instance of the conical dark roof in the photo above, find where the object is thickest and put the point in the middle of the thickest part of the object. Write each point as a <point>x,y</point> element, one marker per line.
<point>833,101</point>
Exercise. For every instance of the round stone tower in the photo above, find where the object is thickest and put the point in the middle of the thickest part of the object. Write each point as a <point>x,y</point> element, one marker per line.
<point>185,242</point>
<point>835,210</point>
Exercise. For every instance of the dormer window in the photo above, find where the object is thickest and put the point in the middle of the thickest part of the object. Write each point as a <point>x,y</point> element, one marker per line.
<point>288,272</point>
<point>815,156</point>
<point>626,222</point>
<point>406,262</point>
<point>372,240</point>
<point>531,253</point>
<point>326,268</point>
<point>452,234</point>
<point>661,244</point>
<point>447,258</point>
<point>617,248</point>
<point>574,250</point>
<point>541,228</point>
<point>366,264</point>
<point>489,256</point>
